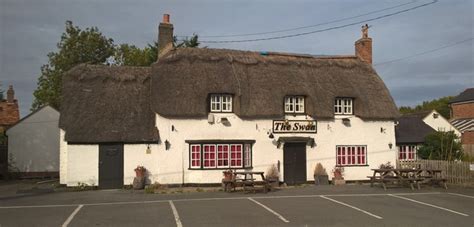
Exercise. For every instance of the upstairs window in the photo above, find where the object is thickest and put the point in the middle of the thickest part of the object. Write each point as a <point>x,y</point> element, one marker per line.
<point>294,104</point>
<point>221,103</point>
<point>343,106</point>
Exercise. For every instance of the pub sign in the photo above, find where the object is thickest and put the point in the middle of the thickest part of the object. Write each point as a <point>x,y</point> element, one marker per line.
<point>294,126</point>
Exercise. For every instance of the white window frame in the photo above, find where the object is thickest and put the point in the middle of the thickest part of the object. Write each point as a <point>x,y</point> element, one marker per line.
<point>349,155</point>
<point>198,146</point>
<point>407,149</point>
<point>344,106</point>
<point>221,103</point>
<point>247,155</point>
<point>203,159</point>
<point>223,159</point>
<point>241,155</point>
<point>295,104</point>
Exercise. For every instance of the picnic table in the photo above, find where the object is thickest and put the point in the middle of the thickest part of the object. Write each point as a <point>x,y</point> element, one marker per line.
<point>246,180</point>
<point>406,176</point>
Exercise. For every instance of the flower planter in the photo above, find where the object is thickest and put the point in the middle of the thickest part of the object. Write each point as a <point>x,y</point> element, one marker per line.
<point>138,183</point>
<point>321,179</point>
<point>274,182</point>
<point>338,181</point>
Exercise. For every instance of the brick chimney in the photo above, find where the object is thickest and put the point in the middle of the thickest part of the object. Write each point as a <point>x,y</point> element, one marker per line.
<point>10,94</point>
<point>165,35</point>
<point>363,46</point>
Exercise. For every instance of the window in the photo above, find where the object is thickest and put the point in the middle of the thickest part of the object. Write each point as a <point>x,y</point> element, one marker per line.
<point>221,103</point>
<point>351,155</point>
<point>343,106</point>
<point>195,156</point>
<point>209,156</point>
<point>294,104</point>
<point>220,156</point>
<point>247,156</point>
<point>407,152</point>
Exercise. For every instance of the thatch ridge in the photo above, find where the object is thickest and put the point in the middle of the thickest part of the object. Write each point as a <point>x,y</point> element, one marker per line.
<point>183,78</point>
<point>107,104</point>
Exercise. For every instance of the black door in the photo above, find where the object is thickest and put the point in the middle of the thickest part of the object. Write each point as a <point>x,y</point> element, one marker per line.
<point>110,166</point>
<point>294,163</point>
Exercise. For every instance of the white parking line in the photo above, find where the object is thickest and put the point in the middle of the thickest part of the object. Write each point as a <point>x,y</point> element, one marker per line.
<point>176,215</point>
<point>209,199</point>
<point>462,195</point>
<point>353,207</point>
<point>69,219</point>
<point>430,205</point>
<point>270,210</point>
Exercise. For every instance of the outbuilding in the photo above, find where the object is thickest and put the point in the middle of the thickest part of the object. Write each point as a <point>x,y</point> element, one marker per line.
<point>33,143</point>
<point>199,111</point>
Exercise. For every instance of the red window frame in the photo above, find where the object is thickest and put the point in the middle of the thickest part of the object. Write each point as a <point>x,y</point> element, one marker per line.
<point>195,156</point>
<point>351,155</point>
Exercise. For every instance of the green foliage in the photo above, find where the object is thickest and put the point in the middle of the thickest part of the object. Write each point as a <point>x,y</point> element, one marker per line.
<point>441,146</point>
<point>441,105</point>
<point>191,42</point>
<point>89,46</point>
<point>76,46</point>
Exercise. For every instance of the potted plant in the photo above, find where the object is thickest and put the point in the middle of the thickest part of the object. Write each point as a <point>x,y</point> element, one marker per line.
<point>320,175</point>
<point>139,180</point>
<point>228,175</point>
<point>338,173</point>
<point>273,176</point>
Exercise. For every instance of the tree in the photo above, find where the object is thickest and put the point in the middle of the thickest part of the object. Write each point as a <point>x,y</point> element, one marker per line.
<point>191,42</point>
<point>1,92</point>
<point>90,46</point>
<point>441,105</point>
<point>441,146</point>
<point>76,46</point>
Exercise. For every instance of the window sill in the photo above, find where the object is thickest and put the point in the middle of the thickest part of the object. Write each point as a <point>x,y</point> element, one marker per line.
<point>233,168</point>
<point>352,165</point>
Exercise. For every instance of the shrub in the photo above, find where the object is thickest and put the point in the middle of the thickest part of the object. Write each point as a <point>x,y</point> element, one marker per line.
<point>272,172</point>
<point>338,172</point>
<point>319,170</point>
<point>387,165</point>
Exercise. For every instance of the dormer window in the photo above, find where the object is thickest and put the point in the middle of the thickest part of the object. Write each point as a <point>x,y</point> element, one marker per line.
<point>221,103</point>
<point>294,104</point>
<point>343,106</point>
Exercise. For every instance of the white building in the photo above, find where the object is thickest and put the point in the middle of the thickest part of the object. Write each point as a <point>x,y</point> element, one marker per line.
<point>33,143</point>
<point>197,112</point>
<point>411,130</point>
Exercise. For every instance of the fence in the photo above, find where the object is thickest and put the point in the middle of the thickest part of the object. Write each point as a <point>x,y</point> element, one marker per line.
<point>455,172</point>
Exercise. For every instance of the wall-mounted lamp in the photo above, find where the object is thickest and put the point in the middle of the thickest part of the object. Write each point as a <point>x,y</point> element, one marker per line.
<point>148,149</point>
<point>382,130</point>
<point>271,136</point>
<point>172,128</point>
<point>390,145</point>
<point>167,144</point>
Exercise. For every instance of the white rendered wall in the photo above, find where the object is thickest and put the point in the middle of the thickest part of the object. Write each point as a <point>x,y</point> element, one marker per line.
<point>33,143</point>
<point>62,158</point>
<point>82,165</point>
<point>440,123</point>
<point>173,164</point>
<point>135,155</point>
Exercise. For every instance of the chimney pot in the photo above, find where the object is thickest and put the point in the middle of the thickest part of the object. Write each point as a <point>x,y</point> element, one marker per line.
<point>10,94</point>
<point>166,18</point>
<point>363,46</point>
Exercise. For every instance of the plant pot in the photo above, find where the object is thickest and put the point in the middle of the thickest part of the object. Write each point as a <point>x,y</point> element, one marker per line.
<point>321,179</point>
<point>338,181</point>
<point>274,182</point>
<point>227,176</point>
<point>138,183</point>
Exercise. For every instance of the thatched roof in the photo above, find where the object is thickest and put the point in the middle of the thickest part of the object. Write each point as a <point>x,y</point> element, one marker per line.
<point>107,104</point>
<point>183,78</point>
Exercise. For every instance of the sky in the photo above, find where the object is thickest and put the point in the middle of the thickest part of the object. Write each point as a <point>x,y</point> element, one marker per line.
<point>30,29</point>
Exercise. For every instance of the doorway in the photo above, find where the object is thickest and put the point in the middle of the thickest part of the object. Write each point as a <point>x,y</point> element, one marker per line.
<point>294,163</point>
